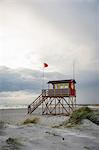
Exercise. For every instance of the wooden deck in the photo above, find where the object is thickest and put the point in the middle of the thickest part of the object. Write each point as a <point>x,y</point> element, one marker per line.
<point>55,93</point>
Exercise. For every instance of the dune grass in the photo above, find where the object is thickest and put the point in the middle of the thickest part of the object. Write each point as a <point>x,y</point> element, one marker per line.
<point>34,120</point>
<point>82,113</point>
<point>78,115</point>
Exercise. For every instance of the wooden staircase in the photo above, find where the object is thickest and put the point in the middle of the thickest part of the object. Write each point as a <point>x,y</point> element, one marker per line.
<point>36,103</point>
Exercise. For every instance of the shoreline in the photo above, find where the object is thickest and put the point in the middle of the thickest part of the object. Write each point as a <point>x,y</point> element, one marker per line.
<point>17,116</point>
<point>77,105</point>
<point>12,108</point>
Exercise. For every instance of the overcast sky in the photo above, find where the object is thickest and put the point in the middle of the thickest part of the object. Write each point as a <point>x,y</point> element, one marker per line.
<point>58,32</point>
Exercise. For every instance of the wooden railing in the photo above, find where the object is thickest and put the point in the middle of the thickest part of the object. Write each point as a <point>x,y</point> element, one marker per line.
<point>55,92</point>
<point>37,102</point>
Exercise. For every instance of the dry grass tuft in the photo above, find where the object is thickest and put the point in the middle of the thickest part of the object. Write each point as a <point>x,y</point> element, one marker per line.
<point>31,120</point>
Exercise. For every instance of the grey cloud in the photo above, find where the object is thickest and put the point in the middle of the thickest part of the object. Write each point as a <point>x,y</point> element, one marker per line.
<point>88,79</point>
<point>24,79</point>
<point>29,78</point>
<point>31,81</point>
<point>11,80</point>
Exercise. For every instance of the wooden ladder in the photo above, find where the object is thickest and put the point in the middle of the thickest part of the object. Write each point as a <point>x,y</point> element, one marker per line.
<point>37,102</point>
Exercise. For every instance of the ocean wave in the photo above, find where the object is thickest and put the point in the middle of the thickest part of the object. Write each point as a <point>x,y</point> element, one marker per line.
<point>7,106</point>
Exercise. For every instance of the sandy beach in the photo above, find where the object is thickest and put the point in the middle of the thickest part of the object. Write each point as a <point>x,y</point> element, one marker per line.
<point>42,136</point>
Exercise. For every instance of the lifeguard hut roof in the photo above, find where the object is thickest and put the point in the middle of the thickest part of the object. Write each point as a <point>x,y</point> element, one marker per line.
<point>62,81</point>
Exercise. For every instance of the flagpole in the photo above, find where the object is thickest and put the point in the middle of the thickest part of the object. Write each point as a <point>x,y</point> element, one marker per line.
<point>43,79</point>
<point>43,82</point>
<point>74,69</point>
<point>42,85</point>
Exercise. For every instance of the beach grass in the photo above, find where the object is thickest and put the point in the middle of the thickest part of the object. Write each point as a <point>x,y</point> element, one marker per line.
<point>77,116</point>
<point>34,120</point>
<point>82,113</point>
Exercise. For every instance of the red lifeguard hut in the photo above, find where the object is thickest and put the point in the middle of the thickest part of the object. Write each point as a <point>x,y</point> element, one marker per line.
<point>58,99</point>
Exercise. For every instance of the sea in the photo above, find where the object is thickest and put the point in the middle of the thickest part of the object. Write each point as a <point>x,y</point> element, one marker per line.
<point>13,106</point>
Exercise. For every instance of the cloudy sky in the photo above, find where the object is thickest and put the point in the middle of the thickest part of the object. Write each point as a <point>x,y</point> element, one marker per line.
<point>58,32</point>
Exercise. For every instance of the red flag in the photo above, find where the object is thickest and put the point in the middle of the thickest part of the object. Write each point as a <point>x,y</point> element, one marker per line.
<point>45,65</point>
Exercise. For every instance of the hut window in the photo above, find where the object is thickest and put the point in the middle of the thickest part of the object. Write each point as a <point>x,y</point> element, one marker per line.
<point>66,86</point>
<point>56,86</point>
<point>61,87</point>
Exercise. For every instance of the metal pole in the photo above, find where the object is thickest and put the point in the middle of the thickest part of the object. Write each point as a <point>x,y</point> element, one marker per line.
<point>42,87</point>
<point>43,79</point>
<point>73,69</point>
